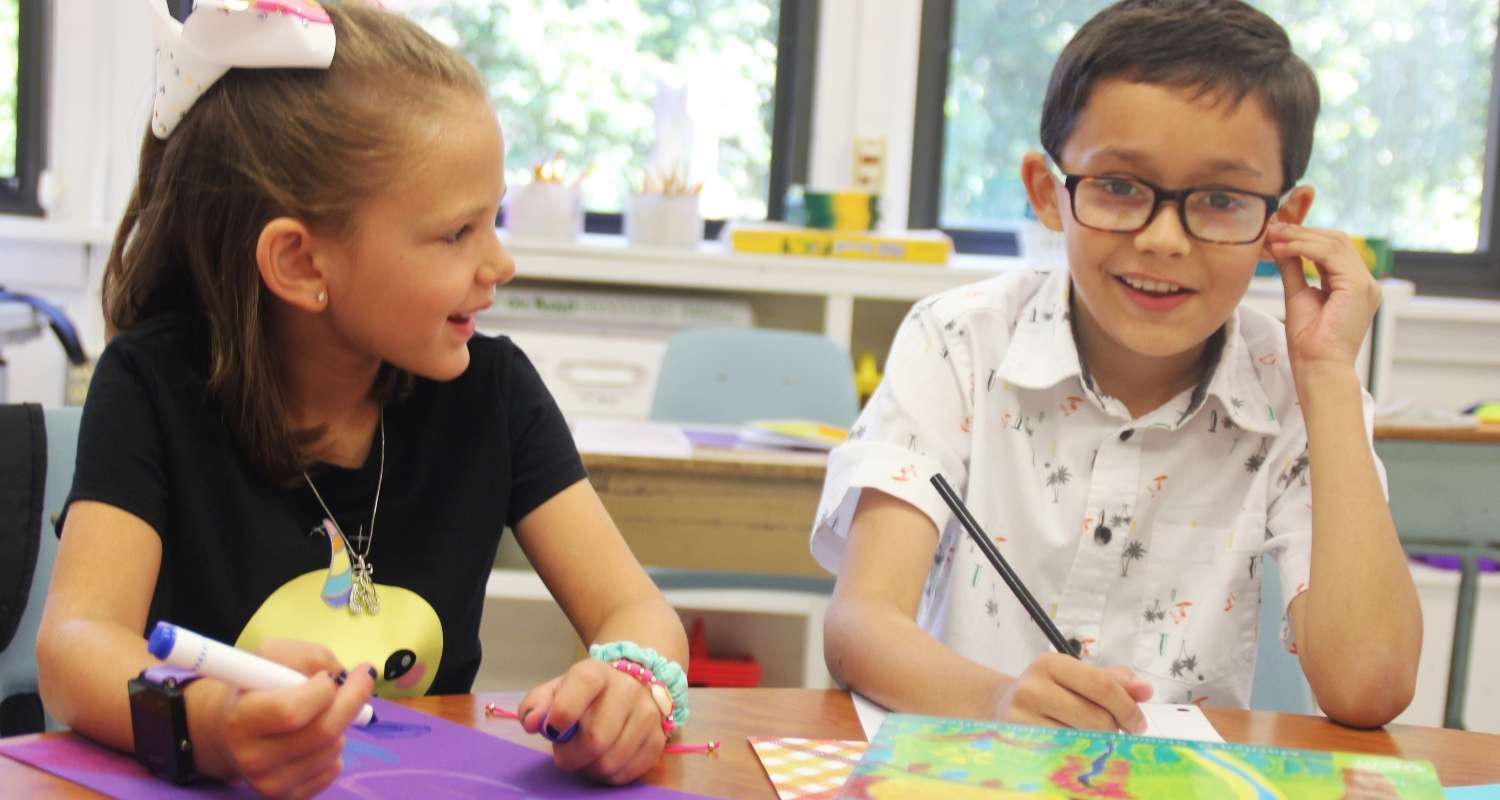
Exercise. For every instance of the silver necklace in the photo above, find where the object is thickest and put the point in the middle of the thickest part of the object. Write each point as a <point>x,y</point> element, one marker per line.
<point>362,596</point>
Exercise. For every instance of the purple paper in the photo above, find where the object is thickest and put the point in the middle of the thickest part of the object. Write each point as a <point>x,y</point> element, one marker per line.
<point>709,437</point>
<point>405,754</point>
<point>1455,563</point>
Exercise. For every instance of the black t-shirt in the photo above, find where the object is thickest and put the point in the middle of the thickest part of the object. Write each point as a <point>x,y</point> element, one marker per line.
<point>244,560</point>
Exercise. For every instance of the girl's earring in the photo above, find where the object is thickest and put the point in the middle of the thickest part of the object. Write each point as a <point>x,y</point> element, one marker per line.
<point>322,297</point>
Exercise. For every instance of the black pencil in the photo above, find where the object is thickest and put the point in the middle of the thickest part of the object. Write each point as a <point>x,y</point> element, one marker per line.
<point>1006,573</point>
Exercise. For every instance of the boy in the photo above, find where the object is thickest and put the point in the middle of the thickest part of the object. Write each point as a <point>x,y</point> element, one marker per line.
<point>1135,442</point>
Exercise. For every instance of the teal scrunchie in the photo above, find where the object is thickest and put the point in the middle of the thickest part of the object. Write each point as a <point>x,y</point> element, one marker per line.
<point>668,672</point>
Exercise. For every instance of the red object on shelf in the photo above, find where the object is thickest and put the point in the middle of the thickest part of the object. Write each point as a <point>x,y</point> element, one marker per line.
<point>704,670</point>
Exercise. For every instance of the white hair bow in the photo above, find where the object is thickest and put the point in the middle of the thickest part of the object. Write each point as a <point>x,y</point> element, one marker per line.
<point>220,35</point>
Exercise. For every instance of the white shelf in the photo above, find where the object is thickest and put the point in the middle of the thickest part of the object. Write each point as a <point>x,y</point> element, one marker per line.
<point>512,585</point>
<point>610,259</point>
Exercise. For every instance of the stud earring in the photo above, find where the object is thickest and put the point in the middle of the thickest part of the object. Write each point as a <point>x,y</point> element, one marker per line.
<point>322,296</point>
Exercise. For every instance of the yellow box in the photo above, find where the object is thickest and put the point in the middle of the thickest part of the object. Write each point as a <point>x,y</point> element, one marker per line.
<point>918,247</point>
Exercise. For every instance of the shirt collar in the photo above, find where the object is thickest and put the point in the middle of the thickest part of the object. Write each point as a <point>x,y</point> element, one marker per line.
<point>1043,353</point>
<point>1236,384</point>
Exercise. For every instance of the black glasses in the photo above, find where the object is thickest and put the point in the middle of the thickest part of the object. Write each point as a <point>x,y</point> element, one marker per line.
<point>1126,205</point>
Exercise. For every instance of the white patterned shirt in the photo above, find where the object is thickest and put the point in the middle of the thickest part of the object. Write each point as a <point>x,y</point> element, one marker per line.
<point>1144,539</point>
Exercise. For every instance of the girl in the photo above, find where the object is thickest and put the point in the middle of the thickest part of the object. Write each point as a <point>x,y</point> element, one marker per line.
<point>295,396</point>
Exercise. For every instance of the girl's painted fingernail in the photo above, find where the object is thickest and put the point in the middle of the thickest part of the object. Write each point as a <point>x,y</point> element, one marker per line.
<point>341,677</point>
<point>374,676</point>
<point>564,737</point>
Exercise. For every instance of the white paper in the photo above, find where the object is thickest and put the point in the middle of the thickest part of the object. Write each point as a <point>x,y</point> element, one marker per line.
<point>1171,721</point>
<point>631,438</point>
<point>871,714</point>
<point>1164,720</point>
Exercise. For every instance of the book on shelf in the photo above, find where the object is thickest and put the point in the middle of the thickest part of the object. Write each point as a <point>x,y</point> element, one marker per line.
<point>793,434</point>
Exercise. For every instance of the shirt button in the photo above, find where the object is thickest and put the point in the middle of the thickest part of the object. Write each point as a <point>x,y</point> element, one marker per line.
<point>1126,434</point>
<point>1102,535</point>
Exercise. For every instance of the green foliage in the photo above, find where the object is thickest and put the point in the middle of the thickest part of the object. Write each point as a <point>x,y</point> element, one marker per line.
<point>578,77</point>
<point>10,29</point>
<point>1399,148</point>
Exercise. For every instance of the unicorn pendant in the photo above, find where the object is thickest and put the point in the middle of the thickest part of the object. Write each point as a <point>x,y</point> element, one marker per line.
<point>349,584</point>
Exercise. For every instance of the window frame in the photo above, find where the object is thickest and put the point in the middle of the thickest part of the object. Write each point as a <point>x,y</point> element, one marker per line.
<point>1475,274</point>
<point>791,121</point>
<point>18,195</point>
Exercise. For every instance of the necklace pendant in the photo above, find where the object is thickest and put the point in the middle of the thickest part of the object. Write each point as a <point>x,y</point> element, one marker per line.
<point>364,599</point>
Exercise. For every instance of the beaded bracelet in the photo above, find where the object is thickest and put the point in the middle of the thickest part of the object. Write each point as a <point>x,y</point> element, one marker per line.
<point>657,689</point>
<point>668,673</point>
<point>492,710</point>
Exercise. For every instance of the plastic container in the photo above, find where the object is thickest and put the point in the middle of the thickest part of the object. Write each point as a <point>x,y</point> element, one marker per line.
<point>726,672</point>
<point>545,210</point>
<point>664,220</point>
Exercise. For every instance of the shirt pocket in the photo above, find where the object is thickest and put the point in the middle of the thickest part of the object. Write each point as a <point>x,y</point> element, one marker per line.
<point>1201,605</point>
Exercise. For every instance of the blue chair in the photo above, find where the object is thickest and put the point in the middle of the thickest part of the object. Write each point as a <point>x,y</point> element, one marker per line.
<point>1279,684</point>
<point>18,670</point>
<point>734,375</point>
<point>729,376</point>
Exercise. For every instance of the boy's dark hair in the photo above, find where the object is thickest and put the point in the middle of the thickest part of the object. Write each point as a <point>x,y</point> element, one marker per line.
<point>1221,49</point>
<point>261,144</point>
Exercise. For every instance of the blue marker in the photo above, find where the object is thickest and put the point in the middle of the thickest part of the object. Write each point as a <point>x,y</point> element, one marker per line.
<point>182,648</point>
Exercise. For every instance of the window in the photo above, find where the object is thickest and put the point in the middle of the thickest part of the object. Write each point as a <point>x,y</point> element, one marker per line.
<point>578,78</point>
<point>1402,148</point>
<point>23,36</point>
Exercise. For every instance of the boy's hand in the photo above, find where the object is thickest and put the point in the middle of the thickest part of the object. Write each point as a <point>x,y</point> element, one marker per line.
<point>1061,691</point>
<point>1326,325</point>
<point>290,742</point>
<point>619,733</point>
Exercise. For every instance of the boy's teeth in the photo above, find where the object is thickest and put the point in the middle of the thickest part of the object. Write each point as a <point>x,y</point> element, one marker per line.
<point>1151,286</point>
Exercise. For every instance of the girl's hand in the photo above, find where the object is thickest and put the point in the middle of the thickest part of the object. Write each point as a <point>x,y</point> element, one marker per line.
<point>1061,691</point>
<point>619,733</point>
<point>290,742</point>
<point>1325,325</point>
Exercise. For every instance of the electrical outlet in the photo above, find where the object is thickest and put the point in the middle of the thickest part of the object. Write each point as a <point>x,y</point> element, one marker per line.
<point>869,163</point>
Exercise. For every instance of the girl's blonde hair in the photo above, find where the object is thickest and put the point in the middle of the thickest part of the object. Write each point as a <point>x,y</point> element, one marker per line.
<point>262,144</point>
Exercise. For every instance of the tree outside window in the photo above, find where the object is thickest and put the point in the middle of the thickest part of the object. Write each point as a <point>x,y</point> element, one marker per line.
<point>578,78</point>
<point>1400,144</point>
<point>10,62</point>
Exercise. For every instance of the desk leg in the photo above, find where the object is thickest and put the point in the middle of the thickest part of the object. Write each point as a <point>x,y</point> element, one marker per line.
<point>1463,635</point>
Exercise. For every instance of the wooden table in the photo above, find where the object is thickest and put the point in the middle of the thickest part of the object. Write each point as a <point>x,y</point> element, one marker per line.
<point>724,510</point>
<point>763,502</point>
<point>730,715</point>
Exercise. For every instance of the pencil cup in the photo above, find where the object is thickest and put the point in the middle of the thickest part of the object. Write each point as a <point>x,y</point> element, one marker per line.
<point>545,210</point>
<point>664,220</point>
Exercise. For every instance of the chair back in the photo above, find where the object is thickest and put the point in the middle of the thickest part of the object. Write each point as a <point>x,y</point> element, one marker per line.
<point>1279,684</point>
<point>734,375</point>
<point>18,669</point>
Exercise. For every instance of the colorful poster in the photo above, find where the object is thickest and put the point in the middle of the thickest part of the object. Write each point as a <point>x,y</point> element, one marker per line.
<point>930,757</point>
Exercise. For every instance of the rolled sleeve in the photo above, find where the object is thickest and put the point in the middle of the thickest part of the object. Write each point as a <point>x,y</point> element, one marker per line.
<point>914,427</point>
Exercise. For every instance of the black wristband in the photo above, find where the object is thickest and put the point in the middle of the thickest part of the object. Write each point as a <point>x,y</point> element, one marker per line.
<point>158,719</point>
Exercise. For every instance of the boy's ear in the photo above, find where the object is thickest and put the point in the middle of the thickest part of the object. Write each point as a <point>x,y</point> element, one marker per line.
<point>1043,190</point>
<point>1291,211</point>
<point>286,254</point>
